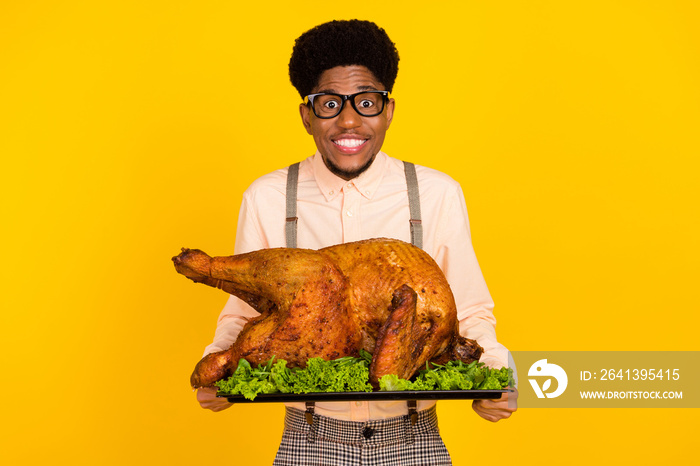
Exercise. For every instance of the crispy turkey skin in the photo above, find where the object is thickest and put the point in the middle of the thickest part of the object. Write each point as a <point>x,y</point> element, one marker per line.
<point>383,295</point>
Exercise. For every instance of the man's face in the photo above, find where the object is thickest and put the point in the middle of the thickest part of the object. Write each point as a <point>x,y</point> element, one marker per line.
<point>348,142</point>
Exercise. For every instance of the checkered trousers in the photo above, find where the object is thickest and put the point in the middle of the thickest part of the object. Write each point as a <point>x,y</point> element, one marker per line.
<point>386,442</point>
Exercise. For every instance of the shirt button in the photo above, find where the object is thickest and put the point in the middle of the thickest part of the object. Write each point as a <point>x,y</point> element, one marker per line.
<point>349,213</point>
<point>331,193</point>
<point>358,403</point>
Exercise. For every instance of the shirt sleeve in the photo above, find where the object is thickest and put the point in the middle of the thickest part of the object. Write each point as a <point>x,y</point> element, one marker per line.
<point>236,313</point>
<point>455,254</point>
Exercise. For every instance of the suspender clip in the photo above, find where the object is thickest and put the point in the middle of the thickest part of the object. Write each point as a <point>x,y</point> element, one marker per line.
<point>309,414</point>
<point>412,412</point>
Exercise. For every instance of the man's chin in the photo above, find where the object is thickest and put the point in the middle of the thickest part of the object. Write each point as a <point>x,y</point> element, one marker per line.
<point>347,173</point>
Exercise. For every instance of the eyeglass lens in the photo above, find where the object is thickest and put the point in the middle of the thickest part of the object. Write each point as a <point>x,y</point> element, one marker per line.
<point>365,103</point>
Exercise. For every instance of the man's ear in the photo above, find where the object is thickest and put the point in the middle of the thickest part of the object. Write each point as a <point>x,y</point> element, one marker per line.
<point>305,113</point>
<point>390,112</point>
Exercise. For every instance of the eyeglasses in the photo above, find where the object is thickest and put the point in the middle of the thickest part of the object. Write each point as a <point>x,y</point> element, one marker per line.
<point>366,103</point>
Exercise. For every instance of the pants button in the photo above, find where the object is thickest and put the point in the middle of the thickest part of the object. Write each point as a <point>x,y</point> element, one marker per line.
<point>367,432</point>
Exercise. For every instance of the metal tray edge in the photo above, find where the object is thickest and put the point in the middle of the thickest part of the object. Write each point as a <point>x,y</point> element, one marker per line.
<point>371,396</point>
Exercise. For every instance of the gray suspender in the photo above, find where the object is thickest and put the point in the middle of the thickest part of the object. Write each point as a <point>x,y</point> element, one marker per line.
<point>290,228</point>
<point>414,204</point>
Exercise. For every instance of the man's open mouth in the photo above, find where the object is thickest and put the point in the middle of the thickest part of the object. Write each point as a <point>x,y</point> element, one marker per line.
<point>349,142</point>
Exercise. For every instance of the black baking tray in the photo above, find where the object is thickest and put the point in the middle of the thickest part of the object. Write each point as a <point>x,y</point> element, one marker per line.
<point>371,396</point>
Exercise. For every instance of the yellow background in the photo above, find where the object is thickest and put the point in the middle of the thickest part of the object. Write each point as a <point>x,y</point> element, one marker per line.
<point>129,129</point>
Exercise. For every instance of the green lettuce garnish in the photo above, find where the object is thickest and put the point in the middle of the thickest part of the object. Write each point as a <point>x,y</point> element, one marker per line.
<point>351,374</point>
<point>455,375</point>
<point>347,374</point>
<point>249,381</point>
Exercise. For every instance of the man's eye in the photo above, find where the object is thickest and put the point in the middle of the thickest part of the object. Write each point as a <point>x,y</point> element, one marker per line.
<point>366,103</point>
<point>331,104</point>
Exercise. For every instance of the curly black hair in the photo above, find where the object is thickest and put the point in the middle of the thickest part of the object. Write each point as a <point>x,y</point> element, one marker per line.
<point>342,43</point>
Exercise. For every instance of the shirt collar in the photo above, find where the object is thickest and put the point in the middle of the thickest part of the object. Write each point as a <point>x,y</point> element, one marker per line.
<point>366,183</point>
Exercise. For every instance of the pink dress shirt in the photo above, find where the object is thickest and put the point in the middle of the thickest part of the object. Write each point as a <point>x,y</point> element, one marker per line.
<point>373,205</point>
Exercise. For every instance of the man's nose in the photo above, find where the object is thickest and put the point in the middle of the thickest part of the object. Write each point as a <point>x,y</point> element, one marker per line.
<point>348,117</point>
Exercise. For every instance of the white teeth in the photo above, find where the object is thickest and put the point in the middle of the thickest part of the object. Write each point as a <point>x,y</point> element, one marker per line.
<point>350,142</point>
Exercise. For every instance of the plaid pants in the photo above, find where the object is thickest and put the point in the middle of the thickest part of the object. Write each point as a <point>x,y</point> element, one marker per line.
<point>386,442</point>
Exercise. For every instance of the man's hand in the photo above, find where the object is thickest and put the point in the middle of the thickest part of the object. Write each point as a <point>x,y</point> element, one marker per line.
<point>495,410</point>
<point>208,400</point>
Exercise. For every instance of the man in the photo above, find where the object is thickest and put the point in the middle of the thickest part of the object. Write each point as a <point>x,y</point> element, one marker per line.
<point>348,191</point>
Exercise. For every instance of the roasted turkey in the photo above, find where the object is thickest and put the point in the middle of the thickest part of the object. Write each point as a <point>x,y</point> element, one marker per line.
<point>386,296</point>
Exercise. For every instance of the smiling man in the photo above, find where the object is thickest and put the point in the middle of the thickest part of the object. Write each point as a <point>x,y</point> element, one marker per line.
<point>350,190</point>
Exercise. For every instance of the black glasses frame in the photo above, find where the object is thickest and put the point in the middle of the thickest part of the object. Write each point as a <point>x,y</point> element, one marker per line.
<point>309,100</point>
